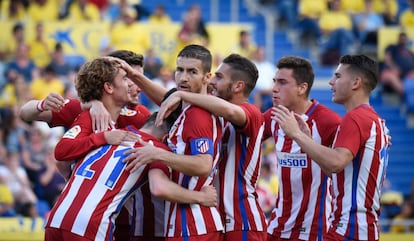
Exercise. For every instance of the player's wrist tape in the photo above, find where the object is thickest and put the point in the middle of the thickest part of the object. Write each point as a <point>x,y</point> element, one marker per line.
<point>40,106</point>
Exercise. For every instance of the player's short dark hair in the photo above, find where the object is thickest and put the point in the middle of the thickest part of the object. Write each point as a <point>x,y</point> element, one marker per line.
<point>242,69</point>
<point>128,56</point>
<point>194,51</point>
<point>302,69</point>
<point>365,66</point>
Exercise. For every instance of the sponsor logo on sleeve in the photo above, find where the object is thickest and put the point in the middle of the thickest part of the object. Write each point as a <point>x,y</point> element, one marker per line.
<point>72,132</point>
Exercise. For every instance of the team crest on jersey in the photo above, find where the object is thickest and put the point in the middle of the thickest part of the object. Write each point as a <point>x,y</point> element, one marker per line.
<point>72,132</point>
<point>128,112</point>
<point>202,145</point>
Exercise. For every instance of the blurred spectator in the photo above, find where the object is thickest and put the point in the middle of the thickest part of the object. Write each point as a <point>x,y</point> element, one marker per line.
<point>37,148</point>
<point>262,92</point>
<point>398,65</point>
<point>8,50</point>
<point>15,178</point>
<point>245,47</point>
<point>15,93</point>
<point>217,59</point>
<point>406,213</point>
<point>114,11</point>
<point>192,29</point>
<point>50,180</point>
<point>287,11</point>
<point>152,64</point>
<point>14,136</point>
<point>367,25</point>
<point>352,6</point>
<point>391,201</point>
<point>159,16</point>
<point>40,47</point>
<point>165,79</point>
<point>22,65</point>
<point>82,10</point>
<point>46,83</point>
<point>194,14</point>
<point>337,36</point>
<point>62,69</point>
<point>100,4</point>
<point>268,179</point>
<point>43,10</point>
<point>388,10</point>
<point>13,10</point>
<point>269,185</point>
<point>127,34</point>
<point>6,201</point>
<point>406,19</point>
<point>309,13</point>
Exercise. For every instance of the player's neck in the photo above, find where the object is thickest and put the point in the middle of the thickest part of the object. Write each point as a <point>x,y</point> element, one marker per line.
<point>302,107</point>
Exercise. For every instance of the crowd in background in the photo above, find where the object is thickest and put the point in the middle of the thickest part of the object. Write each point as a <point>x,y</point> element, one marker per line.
<point>33,68</point>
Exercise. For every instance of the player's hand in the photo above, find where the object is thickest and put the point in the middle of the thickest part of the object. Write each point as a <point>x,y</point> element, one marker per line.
<point>303,126</point>
<point>120,137</point>
<point>128,68</point>
<point>147,153</point>
<point>53,102</point>
<point>101,119</point>
<point>167,107</point>
<point>210,196</point>
<point>286,120</point>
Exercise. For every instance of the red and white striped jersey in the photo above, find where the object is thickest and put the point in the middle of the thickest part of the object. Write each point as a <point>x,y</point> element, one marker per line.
<point>96,191</point>
<point>130,115</point>
<point>303,203</point>
<point>147,213</point>
<point>195,131</point>
<point>239,169</point>
<point>357,189</point>
<point>153,205</point>
<point>67,115</point>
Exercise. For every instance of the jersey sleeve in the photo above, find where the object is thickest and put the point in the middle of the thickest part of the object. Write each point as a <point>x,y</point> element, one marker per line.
<point>79,140</point>
<point>199,131</point>
<point>254,119</point>
<point>159,165</point>
<point>349,135</point>
<point>268,123</point>
<point>67,115</point>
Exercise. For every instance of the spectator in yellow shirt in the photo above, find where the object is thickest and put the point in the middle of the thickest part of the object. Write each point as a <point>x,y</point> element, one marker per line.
<point>40,47</point>
<point>388,9</point>
<point>47,83</point>
<point>352,6</point>
<point>6,201</point>
<point>43,10</point>
<point>336,28</point>
<point>9,48</point>
<point>406,19</point>
<point>406,213</point>
<point>159,16</point>
<point>13,10</point>
<point>245,47</point>
<point>309,13</point>
<point>82,10</point>
<point>127,34</point>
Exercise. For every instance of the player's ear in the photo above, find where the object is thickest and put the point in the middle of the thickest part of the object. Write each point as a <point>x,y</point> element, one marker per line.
<point>108,87</point>
<point>238,86</point>
<point>302,88</point>
<point>207,78</point>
